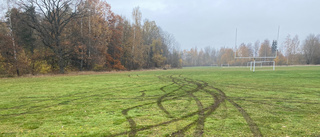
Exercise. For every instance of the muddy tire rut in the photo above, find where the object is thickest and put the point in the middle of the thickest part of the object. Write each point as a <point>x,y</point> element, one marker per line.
<point>179,87</point>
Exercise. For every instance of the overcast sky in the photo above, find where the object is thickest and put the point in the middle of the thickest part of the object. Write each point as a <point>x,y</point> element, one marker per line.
<point>213,22</point>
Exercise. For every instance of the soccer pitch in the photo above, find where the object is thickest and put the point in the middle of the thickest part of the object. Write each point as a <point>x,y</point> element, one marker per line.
<point>197,101</point>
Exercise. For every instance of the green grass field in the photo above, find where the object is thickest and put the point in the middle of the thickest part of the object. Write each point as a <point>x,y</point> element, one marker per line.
<point>200,101</point>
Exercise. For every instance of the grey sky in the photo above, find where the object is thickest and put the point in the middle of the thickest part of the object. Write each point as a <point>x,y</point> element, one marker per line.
<point>213,22</point>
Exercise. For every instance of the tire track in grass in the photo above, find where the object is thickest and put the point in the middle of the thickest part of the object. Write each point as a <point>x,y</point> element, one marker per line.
<point>199,121</point>
<point>253,126</point>
<point>132,123</point>
<point>160,124</point>
<point>133,126</point>
<point>202,116</point>
<point>211,108</point>
<point>159,101</point>
<point>217,95</point>
<point>142,94</point>
<point>201,112</point>
<point>35,108</point>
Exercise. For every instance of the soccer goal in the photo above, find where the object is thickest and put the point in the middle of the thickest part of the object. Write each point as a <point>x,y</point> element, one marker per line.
<point>253,64</point>
<point>225,65</point>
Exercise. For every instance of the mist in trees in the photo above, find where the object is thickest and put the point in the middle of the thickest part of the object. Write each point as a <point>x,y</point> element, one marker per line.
<point>292,53</point>
<point>311,49</point>
<point>292,50</point>
<point>44,36</point>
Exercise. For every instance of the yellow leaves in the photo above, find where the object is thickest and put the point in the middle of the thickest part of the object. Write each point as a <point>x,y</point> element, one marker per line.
<point>180,61</point>
<point>156,46</point>
<point>42,67</point>
<point>1,64</point>
<point>3,28</point>
<point>98,67</point>
<point>158,60</point>
<point>280,59</point>
<point>227,56</point>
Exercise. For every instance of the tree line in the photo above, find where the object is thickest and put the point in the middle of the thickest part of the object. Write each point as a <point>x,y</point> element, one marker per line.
<point>45,36</point>
<point>292,52</point>
<point>58,36</point>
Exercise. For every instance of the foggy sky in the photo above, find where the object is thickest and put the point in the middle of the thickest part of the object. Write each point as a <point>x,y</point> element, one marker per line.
<point>213,22</point>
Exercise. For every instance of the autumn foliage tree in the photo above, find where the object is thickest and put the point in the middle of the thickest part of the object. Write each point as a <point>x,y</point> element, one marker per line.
<point>265,49</point>
<point>226,56</point>
<point>244,51</point>
<point>47,36</point>
<point>56,15</point>
<point>6,53</point>
<point>115,50</point>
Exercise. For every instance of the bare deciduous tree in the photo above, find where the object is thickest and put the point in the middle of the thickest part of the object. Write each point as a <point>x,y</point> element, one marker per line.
<point>292,47</point>
<point>311,47</point>
<point>256,48</point>
<point>55,15</point>
<point>137,44</point>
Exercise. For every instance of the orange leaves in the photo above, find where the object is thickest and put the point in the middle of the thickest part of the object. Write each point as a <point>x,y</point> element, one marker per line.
<point>227,56</point>
<point>118,66</point>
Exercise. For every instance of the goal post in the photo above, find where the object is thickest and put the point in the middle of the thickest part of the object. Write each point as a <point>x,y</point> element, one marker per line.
<point>225,65</point>
<point>253,64</point>
<point>259,59</point>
